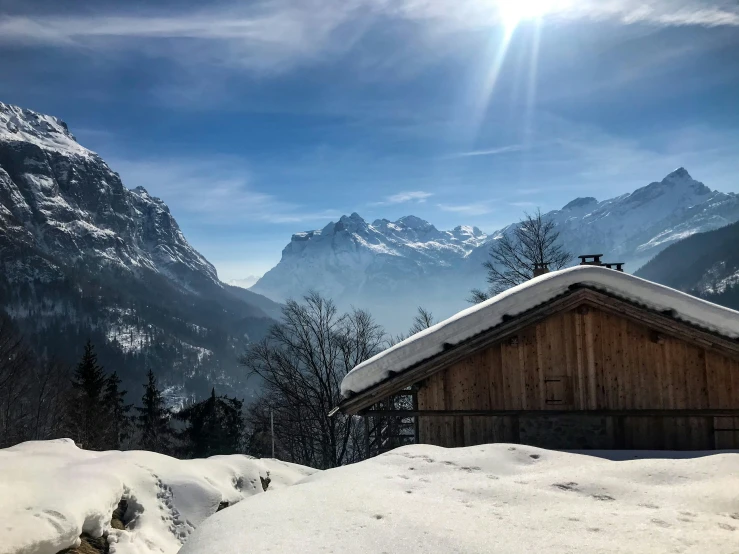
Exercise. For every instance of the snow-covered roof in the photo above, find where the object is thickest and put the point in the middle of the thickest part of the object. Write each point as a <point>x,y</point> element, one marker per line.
<point>488,314</point>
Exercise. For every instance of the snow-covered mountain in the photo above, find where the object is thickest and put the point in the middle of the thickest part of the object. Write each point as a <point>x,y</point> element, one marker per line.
<point>391,268</point>
<point>83,256</point>
<point>634,227</point>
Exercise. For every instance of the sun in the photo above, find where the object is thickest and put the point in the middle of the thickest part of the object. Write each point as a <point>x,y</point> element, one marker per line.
<point>512,12</point>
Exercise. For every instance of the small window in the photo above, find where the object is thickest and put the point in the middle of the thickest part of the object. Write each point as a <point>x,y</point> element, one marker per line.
<point>557,390</point>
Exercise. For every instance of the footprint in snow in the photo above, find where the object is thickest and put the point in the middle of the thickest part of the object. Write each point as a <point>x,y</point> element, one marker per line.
<point>660,523</point>
<point>571,486</point>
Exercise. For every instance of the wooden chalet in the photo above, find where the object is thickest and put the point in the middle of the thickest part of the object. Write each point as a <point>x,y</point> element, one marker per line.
<point>584,358</point>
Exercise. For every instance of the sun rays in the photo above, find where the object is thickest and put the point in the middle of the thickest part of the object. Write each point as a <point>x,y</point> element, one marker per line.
<point>510,15</point>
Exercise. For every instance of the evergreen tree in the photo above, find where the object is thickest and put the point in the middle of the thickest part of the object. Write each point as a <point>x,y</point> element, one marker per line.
<point>118,410</point>
<point>87,415</point>
<point>153,419</point>
<point>213,426</point>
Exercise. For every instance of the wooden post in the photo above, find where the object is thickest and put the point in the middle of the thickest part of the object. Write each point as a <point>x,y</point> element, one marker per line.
<point>272,428</point>
<point>416,438</point>
<point>367,435</point>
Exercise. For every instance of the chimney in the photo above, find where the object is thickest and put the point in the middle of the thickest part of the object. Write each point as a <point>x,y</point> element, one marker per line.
<point>594,259</point>
<point>541,268</point>
<point>590,259</point>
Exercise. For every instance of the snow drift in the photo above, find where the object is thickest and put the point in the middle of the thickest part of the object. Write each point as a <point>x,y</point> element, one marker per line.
<point>495,498</point>
<point>52,491</point>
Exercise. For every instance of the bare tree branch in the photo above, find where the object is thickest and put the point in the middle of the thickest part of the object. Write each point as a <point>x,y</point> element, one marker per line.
<point>516,252</point>
<point>302,362</point>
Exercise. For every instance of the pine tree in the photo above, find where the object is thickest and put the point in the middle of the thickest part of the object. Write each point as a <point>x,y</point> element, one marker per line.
<point>213,426</point>
<point>153,419</point>
<point>87,415</point>
<point>118,410</point>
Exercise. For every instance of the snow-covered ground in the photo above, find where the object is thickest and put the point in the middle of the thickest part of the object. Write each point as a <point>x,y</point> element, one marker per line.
<point>494,498</point>
<point>52,491</point>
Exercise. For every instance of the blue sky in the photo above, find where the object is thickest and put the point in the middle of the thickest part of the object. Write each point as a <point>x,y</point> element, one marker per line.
<point>257,119</point>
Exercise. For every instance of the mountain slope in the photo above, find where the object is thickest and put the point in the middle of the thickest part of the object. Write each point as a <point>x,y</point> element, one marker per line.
<point>706,264</point>
<point>391,268</point>
<point>82,256</point>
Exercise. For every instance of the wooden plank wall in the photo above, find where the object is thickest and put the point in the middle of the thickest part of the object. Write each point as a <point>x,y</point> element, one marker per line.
<point>586,359</point>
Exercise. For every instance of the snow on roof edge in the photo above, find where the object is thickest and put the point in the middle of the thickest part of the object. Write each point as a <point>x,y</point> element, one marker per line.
<point>481,317</point>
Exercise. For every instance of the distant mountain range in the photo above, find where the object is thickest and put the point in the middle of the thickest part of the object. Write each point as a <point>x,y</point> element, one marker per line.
<point>244,283</point>
<point>84,257</point>
<point>391,268</point>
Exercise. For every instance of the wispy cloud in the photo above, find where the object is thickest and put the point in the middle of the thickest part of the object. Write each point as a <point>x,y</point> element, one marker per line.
<point>401,197</point>
<point>213,192</point>
<point>272,35</point>
<point>479,208</point>
<point>477,13</point>
<point>490,151</point>
<point>416,196</point>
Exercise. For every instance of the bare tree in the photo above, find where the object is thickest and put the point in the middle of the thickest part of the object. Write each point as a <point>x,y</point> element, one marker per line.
<point>422,320</point>
<point>16,360</point>
<point>50,390</point>
<point>302,362</point>
<point>32,391</point>
<point>515,254</point>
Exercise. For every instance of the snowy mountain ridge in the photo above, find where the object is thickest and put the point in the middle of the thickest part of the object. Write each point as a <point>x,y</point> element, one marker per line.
<point>79,205</point>
<point>85,257</point>
<point>360,263</point>
<point>393,267</point>
<point>45,131</point>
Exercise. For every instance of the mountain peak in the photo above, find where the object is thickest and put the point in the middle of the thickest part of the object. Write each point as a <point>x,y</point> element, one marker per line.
<point>45,131</point>
<point>353,217</point>
<point>679,173</point>
<point>350,223</point>
<point>681,177</point>
<point>580,202</point>
<point>413,222</point>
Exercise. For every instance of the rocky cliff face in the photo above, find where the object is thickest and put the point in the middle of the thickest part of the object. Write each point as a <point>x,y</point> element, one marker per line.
<point>84,256</point>
<point>391,268</point>
<point>75,206</point>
